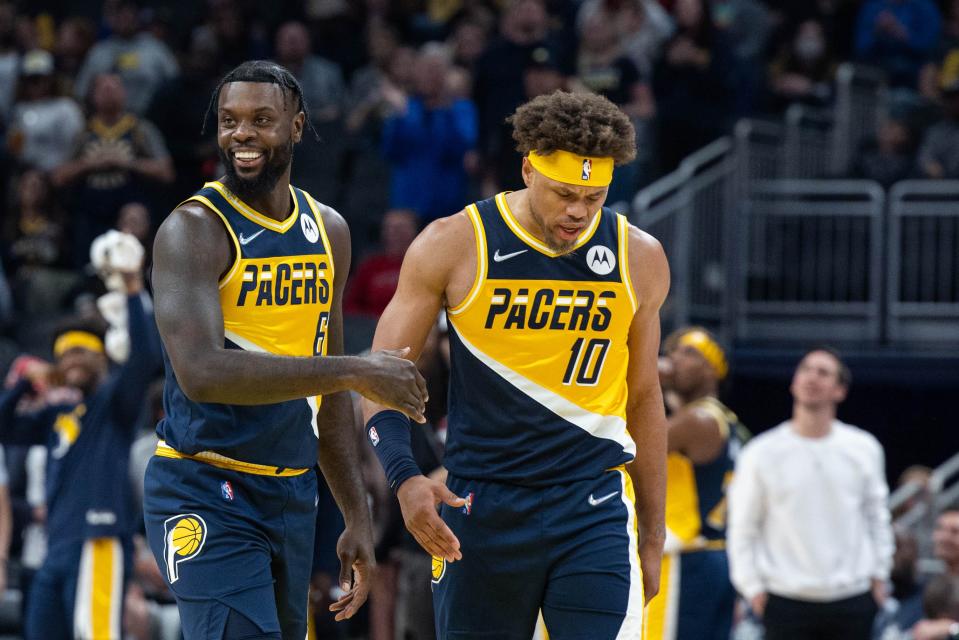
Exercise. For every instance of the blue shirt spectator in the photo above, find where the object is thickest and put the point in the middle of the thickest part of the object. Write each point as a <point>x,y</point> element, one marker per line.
<point>426,142</point>
<point>898,36</point>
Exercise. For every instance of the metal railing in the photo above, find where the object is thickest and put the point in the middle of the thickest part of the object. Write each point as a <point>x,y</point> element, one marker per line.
<point>688,212</point>
<point>811,260</point>
<point>860,94</point>
<point>923,264</point>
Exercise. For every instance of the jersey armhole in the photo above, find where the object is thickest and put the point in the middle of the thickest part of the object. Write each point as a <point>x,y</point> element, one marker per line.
<point>479,236</point>
<point>717,414</point>
<point>236,243</point>
<point>326,240</point>
<point>623,229</point>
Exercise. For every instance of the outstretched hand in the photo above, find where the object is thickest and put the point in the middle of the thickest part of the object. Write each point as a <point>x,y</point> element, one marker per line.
<point>355,550</point>
<point>419,496</point>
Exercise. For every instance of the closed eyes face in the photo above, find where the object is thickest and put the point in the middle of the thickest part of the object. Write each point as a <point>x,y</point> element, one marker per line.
<point>561,210</point>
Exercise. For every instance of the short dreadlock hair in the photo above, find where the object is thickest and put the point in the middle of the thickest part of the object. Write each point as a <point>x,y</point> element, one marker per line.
<point>263,71</point>
<point>582,123</point>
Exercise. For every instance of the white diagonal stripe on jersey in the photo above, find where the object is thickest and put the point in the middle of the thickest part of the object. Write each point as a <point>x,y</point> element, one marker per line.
<point>242,342</point>
<point>597,425</point>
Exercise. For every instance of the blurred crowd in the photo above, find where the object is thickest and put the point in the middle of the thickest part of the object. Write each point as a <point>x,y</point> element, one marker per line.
<point>102,114</point>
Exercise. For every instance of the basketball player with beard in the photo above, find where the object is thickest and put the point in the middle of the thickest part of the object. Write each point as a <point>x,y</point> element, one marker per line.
<point>248,276</point>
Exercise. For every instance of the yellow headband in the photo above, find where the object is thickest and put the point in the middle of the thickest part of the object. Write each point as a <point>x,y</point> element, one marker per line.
<point>570,168</point>
<point>75,339</point>
<point>709,349</point>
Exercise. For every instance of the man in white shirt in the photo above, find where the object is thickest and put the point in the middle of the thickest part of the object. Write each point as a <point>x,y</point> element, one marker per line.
<point>809,539</point>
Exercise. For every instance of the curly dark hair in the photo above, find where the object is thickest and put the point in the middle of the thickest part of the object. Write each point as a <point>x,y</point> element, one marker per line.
<point>581,123</point>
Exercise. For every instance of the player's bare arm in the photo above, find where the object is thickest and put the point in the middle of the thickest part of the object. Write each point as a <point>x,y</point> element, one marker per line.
<point>696,434</point>
<point>337,452</point>
<point>438,268</point>
<point>645,414</point>
<point>191,252</point>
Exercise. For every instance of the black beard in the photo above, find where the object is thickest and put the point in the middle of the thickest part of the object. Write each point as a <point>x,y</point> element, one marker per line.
<point>248,189</point>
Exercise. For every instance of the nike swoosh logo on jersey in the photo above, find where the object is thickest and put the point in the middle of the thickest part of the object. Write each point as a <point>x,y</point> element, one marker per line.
<point>499,258</point>
<point>594,502</point>
<point>248,240</point>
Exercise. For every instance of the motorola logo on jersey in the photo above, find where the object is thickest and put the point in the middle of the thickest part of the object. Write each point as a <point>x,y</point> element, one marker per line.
<point>601,260</point>
<point>183,539</point>
<point>290,281</point>
<point>310,230</point>
<point>548,308</point>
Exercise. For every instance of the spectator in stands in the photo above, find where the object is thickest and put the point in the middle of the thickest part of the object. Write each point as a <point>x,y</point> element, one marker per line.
<point>373,284</point>
<point>903,608</point>
<point>642,26</point>
<point>746,26</point>
<point>322,81</point>
<point>426,140</point>
<point>37,239</point>
<point>75,38</point>
<point>804,69</point>
<point>898,36</point>
<point>602,67</point>
<point>142,61</point>
<point>498,81</point>
<point>809,540</point>
<point>468,42</point>
<point>939,151</point>
<point>43,124</point>
<point>692,84</point>
<point>941,605</point>
<point>185,98</point>
<point>9,58</point>
<point>389,65</point>
<point>945,540</point>
<point>114,159</point>
<point>6,523</point>
<point>542,76</point>
<point>891,155</point>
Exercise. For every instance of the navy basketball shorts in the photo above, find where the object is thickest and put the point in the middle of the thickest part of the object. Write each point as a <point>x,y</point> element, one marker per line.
<point>569,550</point>
<point>696,598</point>
<point>228,540</point>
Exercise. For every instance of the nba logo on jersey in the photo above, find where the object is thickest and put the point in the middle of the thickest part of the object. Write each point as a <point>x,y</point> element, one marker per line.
<point>587,168</point>
<point>468,507</point>
<point>374,436</point>
<point>183,538</point>
<point>226,490</point>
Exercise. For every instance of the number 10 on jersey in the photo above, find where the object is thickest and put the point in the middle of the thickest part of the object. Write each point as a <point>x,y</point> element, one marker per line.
<point>586,361</point>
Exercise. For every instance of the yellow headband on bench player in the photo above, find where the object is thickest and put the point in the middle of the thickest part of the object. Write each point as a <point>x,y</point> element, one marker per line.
<point>589,171</point>
<point>75,339</point>
<point>709,349</point>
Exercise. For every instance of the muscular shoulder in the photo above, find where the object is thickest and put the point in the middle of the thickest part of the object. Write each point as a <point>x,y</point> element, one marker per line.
<point>444,242</point>
<point>192,235</point>
<point>648,267</point>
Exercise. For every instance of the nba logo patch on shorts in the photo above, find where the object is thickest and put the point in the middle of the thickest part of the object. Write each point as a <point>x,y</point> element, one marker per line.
<point>226,490</point>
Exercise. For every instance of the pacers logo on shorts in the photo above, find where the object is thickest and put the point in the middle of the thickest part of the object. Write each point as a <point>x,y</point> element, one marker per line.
<point>439,569</point>
<point>183,538</point>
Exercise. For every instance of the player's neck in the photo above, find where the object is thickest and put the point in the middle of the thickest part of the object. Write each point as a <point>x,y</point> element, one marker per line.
<point>275,203</point>
<point>813,422</point>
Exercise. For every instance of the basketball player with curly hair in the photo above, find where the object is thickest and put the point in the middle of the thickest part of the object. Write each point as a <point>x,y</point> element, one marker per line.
<point>557,436</point>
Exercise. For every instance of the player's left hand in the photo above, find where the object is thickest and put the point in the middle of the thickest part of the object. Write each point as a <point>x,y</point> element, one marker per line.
<point>650,561</point>
<point>355,550</point>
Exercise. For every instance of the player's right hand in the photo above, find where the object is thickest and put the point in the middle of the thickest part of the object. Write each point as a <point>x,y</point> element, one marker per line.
<point>394,382</point>
<point>419,497</point>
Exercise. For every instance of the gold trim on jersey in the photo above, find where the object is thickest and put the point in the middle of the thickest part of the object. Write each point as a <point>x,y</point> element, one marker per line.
<point>711,407</point>
<point>252,214</point>
<point>482,264</point>
<point>115,130</point>
<point>223,462</point>
<point>229,229</point>
<point>326,240</point>
<point>534,242</point>
<point>622,228</point>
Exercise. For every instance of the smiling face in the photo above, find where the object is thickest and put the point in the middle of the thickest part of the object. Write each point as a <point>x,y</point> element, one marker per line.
<point>560,211</point>
<point>81,368</point>
<point>257,126</point>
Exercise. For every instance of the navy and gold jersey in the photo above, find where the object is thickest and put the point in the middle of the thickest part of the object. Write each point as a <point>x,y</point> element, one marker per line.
<point>696,493</point>
<point>276,298</point>
<point>539,354</point>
